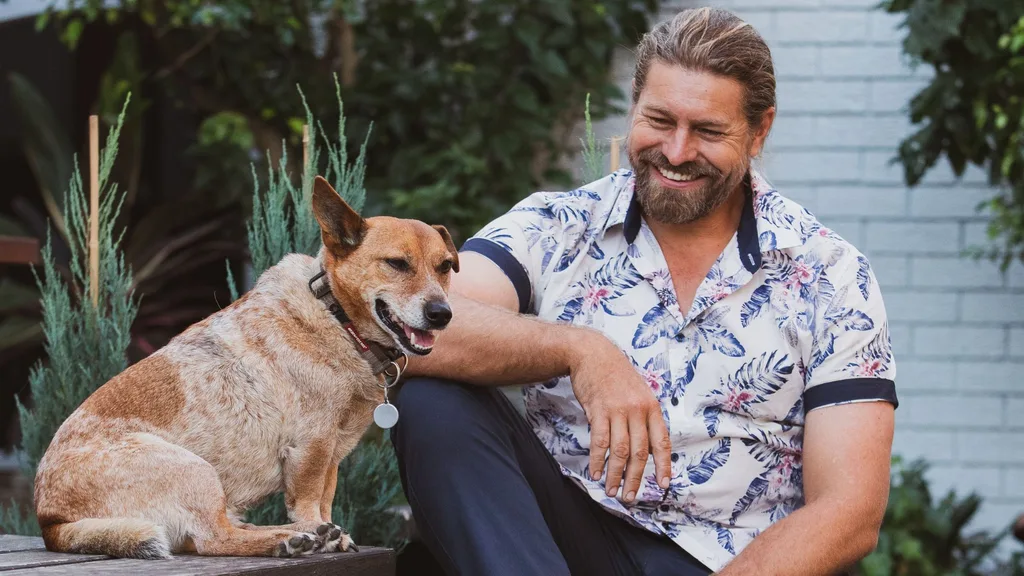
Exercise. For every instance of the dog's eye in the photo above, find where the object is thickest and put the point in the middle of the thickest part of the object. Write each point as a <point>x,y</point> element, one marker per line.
<point>445,267</point>
<point>398,264</point>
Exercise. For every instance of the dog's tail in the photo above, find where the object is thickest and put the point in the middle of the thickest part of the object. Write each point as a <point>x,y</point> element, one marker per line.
<point>118,537</point>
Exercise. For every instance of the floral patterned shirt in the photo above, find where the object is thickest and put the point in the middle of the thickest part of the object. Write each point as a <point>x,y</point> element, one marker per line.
<point>789,319</point>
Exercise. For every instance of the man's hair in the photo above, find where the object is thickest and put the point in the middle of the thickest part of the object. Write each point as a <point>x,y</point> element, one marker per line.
<point>717,41</point>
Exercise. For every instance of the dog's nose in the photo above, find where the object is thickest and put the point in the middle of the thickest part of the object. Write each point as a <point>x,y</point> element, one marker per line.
<point>438,313</point>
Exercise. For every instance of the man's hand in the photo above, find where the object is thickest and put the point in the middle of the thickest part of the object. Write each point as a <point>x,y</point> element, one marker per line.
<point>625,417</point>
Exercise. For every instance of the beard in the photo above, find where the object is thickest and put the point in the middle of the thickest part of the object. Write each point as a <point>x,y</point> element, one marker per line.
<point>671,206</point>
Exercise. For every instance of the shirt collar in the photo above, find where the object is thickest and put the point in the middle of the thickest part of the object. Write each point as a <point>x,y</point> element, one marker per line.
<point>762,227</point>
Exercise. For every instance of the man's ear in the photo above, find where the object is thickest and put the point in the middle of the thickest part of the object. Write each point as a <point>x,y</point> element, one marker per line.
<point>341,227</point>
<point>761,132</point>
<point>449,244</point>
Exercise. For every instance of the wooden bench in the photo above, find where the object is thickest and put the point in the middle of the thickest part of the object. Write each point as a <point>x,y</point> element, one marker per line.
<point>27,555</point>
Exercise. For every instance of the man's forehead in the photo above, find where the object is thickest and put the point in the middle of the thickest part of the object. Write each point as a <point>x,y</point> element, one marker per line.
<point>675,91</point>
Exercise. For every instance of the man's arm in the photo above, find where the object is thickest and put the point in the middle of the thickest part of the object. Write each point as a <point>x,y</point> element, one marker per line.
<point>488,343</point>
<point>846,487</point>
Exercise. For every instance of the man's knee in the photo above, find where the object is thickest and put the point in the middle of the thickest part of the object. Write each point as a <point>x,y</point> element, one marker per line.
<point>435,413</point>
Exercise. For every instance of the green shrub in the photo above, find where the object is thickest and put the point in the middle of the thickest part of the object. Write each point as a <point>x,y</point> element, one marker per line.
<point>972,109</point>
<point>473,102</point>
<point>921,536</point>
<point>85,345</point>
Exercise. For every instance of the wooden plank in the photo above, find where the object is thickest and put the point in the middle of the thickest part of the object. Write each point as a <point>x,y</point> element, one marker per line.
<point>36,558</point>
<point>19,250</point>
<point>14,543</point>
<point>367,562</point>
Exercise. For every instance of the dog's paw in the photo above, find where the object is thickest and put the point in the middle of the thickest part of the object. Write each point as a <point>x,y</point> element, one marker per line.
<point>297,545</point>
<point>331,538</point>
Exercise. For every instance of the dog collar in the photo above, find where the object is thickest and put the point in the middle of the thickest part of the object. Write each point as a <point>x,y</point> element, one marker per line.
<point>379,357</point>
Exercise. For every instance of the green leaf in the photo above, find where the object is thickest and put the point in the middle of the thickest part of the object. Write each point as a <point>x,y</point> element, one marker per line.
<point>554,64</point>
<point>11,227</point>
<point>72,32</point>
<point>560,11</point>
<point>14,296</point>
<point>19,330</point>
<point>46,146</point>
<point>529,32</point>
<point>42,20</point>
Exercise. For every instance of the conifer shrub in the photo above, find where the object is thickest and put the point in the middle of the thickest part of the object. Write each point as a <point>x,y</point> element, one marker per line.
<point>84,345</point>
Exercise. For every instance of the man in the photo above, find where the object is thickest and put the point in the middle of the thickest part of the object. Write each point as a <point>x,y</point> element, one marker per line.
<point>707,369</point>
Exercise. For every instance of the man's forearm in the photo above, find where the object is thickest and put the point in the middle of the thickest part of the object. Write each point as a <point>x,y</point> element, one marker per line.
<point>819,539</point>
<point>491,346</point>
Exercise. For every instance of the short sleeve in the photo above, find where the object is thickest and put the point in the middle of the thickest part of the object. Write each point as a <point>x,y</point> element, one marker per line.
<point>851,354</point>
<point>522,242</point>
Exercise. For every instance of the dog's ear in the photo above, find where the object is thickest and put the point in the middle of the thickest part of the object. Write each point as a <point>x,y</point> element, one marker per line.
<point>451,245</point>
<point>342,228</point>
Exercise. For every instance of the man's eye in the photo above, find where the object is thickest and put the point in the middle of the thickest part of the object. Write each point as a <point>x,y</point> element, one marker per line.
<point>398,264</point>
<point>661,121</point>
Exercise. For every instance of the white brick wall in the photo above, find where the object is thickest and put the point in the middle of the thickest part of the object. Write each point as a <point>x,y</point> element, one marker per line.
<point>957,324</point>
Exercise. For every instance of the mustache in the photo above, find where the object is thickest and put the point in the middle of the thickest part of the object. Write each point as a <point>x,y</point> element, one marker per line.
<point>687,169</point>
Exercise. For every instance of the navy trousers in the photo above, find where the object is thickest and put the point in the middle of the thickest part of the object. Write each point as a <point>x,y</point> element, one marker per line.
<point>488,499</point>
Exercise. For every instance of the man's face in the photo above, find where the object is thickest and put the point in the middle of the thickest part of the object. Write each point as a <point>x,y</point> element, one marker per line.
<point>689,142</point>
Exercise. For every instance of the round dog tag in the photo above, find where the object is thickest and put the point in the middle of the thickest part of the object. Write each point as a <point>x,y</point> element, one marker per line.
<point>385,415</point>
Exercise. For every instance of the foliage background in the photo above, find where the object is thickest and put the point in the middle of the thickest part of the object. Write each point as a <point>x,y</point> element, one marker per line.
<point>971,110</point>
<point>468,114</point>
<point>450,114</point>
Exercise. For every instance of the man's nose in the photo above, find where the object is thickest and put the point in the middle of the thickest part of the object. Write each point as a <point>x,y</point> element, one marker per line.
<point>437,313</point>
<point>681,147</point>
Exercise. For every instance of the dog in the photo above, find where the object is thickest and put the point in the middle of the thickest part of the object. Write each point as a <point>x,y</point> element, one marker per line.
<point>267,394</point>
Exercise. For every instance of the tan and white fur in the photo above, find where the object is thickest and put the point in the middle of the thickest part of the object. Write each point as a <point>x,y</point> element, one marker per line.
<point>267,394</point>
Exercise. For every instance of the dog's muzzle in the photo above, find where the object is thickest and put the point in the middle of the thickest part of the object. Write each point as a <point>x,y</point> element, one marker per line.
<point>437,313</point>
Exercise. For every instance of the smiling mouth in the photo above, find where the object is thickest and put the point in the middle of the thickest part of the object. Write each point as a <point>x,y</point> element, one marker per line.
<point>677,176</point>
<point>414,340</point>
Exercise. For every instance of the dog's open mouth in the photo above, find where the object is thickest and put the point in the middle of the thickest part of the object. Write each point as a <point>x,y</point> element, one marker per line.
<point>412,339</point>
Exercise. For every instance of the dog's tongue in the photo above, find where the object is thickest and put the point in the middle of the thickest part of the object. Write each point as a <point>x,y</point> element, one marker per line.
<point>420,338</point>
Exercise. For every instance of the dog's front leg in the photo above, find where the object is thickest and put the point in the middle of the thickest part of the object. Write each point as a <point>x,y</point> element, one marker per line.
<point>330,485</point>
<point>307,466</point>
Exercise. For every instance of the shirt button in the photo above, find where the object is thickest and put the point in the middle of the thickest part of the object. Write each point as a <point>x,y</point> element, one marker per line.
<point>680,337</point>
<point>675,401</point>
<point>675,457</point>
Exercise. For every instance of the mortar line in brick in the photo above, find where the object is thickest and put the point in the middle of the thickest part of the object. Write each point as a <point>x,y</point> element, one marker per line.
<point>957,393</point>
<point>980,324</point>
<point>889,252</point>
<point>959,358</point>
<point>821,44</point>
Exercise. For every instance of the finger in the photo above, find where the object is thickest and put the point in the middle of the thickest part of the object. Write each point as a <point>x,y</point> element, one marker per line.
<point>661,447</point>
<point>619,453</point>
<point>600,440</point>
<point>638,452</point>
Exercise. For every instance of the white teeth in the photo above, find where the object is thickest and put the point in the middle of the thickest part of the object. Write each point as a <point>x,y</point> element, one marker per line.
<point>412,338</point>
<point>674,175</point>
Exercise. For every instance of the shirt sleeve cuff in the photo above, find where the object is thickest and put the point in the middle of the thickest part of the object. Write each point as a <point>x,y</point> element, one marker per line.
<point>850,391</point>
<point>508,264</point>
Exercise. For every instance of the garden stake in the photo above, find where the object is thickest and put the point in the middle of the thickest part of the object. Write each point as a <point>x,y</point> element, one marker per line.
<point>305,147</point>
<point>94,208</point>
<point>615,153</point>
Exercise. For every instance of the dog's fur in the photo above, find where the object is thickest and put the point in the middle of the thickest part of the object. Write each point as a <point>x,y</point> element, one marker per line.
<point>269,393</point>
